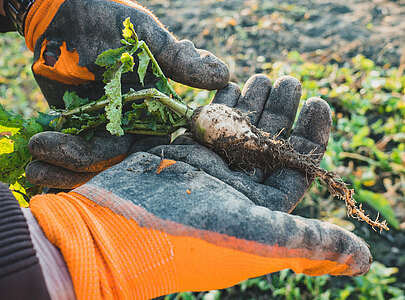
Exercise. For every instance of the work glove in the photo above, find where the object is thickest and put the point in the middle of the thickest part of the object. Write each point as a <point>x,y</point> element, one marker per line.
<point>66,37</point>
<point>173,218</point>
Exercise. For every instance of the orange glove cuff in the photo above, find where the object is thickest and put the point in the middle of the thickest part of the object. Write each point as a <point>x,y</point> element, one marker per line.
<point>66,70</point>
<point>42,13</point>
<point>38,19</point>
<point>112,257</point>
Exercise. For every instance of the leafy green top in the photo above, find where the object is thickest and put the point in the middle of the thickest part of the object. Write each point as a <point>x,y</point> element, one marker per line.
<point>146,117</point>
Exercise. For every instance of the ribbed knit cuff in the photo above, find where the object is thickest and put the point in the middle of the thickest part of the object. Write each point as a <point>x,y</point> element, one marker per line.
<point>54,269</point>
<point>20,273</point>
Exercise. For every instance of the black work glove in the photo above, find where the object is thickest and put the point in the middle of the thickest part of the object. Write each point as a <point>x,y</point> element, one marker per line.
<point>66,37</point>
<point>272,108</point>
<point>199,199</point>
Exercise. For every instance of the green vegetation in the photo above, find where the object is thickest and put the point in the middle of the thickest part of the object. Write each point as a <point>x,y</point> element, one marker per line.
<point>15,132</point>
<point>367,148</point>
<point>286,285</point>
<point>19,93</point>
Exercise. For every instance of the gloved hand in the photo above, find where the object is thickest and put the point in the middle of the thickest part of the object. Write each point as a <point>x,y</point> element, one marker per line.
<point>197,225</point>
<point>66,37</point>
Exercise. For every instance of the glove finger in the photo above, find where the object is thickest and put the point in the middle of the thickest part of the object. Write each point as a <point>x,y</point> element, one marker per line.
<point>145,143</point>
<point>182,62</point>
<point>254,96</point>
<point>229,95</point>
<point>179,60</point>
<point>76,154</point>
<point>44,174</point>
<point>252,101</point>
<point>313,127</point>
<point>281,107</point>
<point>148,142</point>
<point>235,231</point>
<point>310,135</point>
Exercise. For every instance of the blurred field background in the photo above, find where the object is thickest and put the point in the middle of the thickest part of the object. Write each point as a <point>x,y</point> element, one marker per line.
<point>352,55</point>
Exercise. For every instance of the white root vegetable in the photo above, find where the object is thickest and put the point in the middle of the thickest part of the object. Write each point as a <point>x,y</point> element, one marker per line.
<point>213,122</point>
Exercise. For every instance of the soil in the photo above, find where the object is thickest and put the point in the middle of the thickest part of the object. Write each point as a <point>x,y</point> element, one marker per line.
<point>249,33</point>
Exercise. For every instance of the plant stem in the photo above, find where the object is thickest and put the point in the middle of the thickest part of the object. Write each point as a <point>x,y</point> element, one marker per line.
<point>97,105</point>
<point>145,47</point>
<point>141,128</point>
<point>175,105</point>
<point>92,106</point>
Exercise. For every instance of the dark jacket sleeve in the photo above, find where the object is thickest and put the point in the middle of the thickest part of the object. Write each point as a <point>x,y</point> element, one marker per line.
<point>21,276</point>
<point>5,24</point>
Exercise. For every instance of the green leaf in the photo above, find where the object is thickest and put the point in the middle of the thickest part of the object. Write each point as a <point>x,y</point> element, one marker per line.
<point>162,86</point>
<point>110,57</point>
<point>83,124</point>
<point>31,127</point>
<point>72,100</point>
<point>9,119</point>
<point>144,60</point>
<point>46,119</point>
<point>127,34</point>
<point>157,108</point>
<point>108,74</point>
<point>379,203</point>
<point>156,71</point>
<point>6,145</point>
<point>14,154</point>
<point>153,105</point>
<point>71,130</point>
<point>114,108</point>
